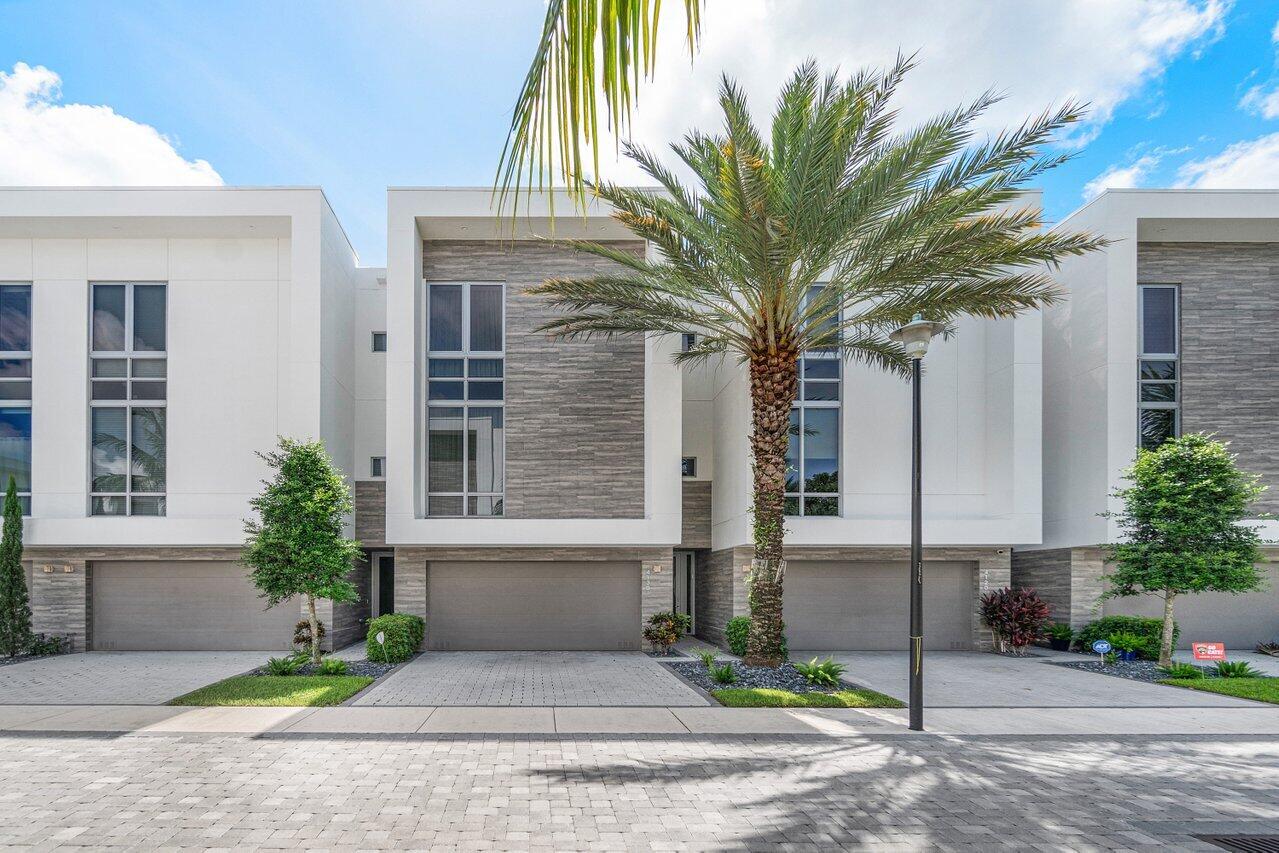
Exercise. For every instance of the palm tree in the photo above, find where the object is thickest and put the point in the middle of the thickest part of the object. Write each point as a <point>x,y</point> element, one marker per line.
<point>556,110</point>
<point>828,236</point>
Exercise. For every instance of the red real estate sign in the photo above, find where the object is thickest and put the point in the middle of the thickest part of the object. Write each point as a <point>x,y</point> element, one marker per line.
<point>1209,651</point>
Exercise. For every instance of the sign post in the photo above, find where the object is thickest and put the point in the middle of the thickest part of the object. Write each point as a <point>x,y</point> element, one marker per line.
<point>1101,647</point>
<point>1209,651</point>
<point>381,641</point>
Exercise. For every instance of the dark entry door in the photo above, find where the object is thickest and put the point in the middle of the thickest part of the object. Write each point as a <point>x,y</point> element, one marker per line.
<point>385,584</point>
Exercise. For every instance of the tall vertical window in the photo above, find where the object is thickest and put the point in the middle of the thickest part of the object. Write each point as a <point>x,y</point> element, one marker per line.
<point>1158,366</point>
<point>128,388</point>
<point>465,446</point>
<point>812,457</point>
<point>15,389</point>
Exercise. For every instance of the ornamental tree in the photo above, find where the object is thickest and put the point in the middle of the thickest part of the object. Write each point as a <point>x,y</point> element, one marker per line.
<point>1181,520</point>
<point>296,546</point>
<point>15,610</point>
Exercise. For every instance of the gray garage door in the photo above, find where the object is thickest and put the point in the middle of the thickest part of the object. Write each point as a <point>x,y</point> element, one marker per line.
<point>184,606</point>
<point>1239,621</point>
<point>567,606</point>
<point>856,605</point>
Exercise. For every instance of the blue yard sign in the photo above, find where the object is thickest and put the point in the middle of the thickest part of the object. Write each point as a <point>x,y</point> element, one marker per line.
<point>1101,646</point>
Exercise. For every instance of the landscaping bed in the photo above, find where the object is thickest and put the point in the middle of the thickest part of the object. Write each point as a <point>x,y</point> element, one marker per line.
<point>277,691</point>
<point>783,687</point>
<point>364,668</point>
<point>1133,670</point>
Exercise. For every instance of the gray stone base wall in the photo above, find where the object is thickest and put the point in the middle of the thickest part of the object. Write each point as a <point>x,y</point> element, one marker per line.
<point>413,565</point>
<point>1069,579</point>
<point>370,512</point>
<point>61,591</point>
<point>722,594</point>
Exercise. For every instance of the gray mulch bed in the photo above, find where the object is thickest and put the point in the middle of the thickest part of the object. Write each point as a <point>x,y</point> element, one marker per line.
<point>369,668</point>
<point>785,677</point>
<point>1133,670</point>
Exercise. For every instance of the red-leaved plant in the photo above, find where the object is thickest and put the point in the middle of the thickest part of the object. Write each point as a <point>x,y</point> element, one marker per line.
<point>1017,618</point>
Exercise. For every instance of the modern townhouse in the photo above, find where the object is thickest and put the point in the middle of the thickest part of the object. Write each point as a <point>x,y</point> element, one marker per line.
<point>1170,330</point>
<point>154,340</point>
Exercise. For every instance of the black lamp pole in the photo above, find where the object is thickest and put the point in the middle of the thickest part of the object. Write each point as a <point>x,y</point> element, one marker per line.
<point>916,563</point>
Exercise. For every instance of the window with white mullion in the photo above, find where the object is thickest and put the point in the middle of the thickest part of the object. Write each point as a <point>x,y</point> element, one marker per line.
<point>128,391</point>
<point>813,454</point>
<point>15,389</point>
<point>465,382</point>
<point>1158,365</point>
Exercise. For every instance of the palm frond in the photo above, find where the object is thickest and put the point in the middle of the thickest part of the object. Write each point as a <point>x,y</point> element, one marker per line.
<point>585,46</point>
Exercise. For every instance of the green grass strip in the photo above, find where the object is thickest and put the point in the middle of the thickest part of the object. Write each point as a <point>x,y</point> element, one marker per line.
<point>300,691</point>
<point>1259,689</point>
<point>765,697</point>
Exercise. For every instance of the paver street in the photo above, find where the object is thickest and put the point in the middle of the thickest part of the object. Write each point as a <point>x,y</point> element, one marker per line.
<point>691,792</point>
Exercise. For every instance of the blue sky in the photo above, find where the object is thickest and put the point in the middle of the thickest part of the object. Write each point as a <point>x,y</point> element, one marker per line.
<point>356,97</point>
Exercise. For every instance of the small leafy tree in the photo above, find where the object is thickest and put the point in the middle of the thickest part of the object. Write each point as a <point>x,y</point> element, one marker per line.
<point>1182,531</point>
<point>297,546</point>
<point>15,610</point>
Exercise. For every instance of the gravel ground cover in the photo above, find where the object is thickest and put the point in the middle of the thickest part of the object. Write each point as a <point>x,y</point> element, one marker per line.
<point>785,677</point>
<point>1133,670</point>
<point>366,668</point>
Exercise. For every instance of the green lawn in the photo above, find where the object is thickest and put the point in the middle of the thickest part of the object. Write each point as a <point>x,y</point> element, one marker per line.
<point>278,690</point>
<point>1260,689</point>
<point>763,697</point>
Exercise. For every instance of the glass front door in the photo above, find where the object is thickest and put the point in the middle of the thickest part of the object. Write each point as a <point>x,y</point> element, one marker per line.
<point>685,595</point>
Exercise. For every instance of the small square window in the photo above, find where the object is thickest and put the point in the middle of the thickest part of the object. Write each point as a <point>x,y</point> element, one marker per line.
<point>379,341</point>
<point>688,466</point>
<point>687,341</point>
<point>377,466</point>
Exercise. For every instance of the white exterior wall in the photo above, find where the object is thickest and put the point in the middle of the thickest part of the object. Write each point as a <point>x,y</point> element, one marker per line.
<point>244,343</point>
<point>698,423</point>
<point>466,214</point>
<point>1091,339</point>
<point>370,369</point>
<point>337,347</point>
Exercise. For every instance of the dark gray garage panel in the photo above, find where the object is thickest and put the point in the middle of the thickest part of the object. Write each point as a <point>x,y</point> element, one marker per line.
<point>530,605</point>
<point>184,606</point>
<point>864,605</point>
<point>1239,621</point>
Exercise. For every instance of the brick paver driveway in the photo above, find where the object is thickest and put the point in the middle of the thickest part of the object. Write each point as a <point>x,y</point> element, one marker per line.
<point>532,679</point>
<point>665,792</point>
<point>118,678</point>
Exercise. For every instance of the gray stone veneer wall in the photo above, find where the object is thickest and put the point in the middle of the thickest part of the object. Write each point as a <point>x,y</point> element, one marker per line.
<point>574,409</point>
<point>61,601</point>
<point>370,512</point>
<point>1229,314</point>
<point>721,589</point>
<point>1069,579</point>
<point>412,565</point>
<point>696,518</point>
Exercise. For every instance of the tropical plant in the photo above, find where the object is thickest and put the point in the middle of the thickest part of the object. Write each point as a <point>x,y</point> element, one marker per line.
<point>1123,641</point>
<point>1061,631</point>
<point>665,629</point>
<point>1177,669</point>
<point>302,633</point>
<point>1016,617</point>
<point>826,673</point>
<point>296,545</point>
<point>15,608</point>
<point>1271,649</point>
<point>708,659</point>
<point>285,666</point>
<point>1148,628</point>
<point>828,235</point>
<point>723,673</point>
<point>333,666</point>
<point>587,46</point>
<point>1181,521</point>
<point>1237,669</point>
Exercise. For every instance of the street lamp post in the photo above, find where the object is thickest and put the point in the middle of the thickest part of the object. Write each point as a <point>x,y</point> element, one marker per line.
<point>914,338</point>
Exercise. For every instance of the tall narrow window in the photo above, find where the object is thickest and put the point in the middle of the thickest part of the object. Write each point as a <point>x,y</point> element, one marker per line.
<point>1158,366</point>
<point>128,380</point>
<point>15,390</point>
<point>465,392</point>
<point>812,457</point>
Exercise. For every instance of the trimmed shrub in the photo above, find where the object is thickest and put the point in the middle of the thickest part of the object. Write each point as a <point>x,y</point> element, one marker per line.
<point>665,629</point>
<point>333,666</point>
<point>1149,629</point>
<point>404,633</point>
<point>302,634</point>
<point>738,630</point>
<point>1016,617</point>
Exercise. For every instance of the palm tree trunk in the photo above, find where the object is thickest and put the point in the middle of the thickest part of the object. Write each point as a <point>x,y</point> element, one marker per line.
<point>774,383</point>
<point>1165,641</point>
<point>315,629</point>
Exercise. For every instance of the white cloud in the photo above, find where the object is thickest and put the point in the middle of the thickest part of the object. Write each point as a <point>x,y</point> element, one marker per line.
<point>1039,54</point>
<point>1251,164</point>
<point>1121,177</point>
<point>1263,100</point>
<point>45,142</point>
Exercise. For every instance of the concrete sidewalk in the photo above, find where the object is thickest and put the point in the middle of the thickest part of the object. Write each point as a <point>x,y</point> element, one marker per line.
<point>831,722</point>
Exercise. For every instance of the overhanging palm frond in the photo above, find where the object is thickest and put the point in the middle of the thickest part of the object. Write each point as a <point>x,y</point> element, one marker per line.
<point>587,46</point>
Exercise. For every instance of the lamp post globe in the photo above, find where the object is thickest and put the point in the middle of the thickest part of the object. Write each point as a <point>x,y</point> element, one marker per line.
<point>914,338</point>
